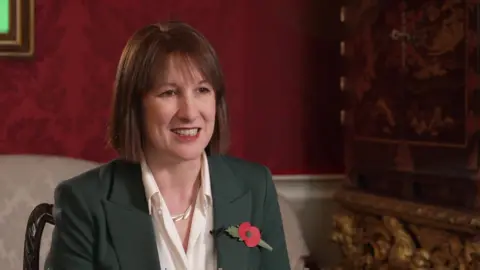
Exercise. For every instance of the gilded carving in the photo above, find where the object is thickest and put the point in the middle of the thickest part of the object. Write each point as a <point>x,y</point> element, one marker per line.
<point>410,211</point>
<point>372,239</point>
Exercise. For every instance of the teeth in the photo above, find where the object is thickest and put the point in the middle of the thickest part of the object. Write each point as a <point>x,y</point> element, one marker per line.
<point>186,132</point>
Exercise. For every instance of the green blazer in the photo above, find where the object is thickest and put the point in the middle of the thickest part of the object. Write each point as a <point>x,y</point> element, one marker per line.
<point>103,222</point>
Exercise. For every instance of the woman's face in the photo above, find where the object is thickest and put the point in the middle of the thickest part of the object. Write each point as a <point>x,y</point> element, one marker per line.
<point>179,113</point>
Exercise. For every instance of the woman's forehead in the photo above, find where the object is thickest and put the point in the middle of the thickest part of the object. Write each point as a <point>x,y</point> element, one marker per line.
<point>180,68</point>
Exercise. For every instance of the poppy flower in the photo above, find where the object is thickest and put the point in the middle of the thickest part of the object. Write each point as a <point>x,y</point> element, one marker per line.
<point>249,234</point>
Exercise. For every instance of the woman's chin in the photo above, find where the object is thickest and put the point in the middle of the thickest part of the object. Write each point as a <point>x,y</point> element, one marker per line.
<point>188,154</point>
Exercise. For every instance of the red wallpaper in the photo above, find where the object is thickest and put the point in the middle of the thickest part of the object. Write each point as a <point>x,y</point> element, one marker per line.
<point>280,62</point>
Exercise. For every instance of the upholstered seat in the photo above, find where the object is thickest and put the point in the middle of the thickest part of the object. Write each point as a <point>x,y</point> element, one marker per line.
<point>28,182</point>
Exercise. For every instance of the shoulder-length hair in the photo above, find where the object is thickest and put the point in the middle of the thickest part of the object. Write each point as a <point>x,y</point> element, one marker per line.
<point>144,57</point>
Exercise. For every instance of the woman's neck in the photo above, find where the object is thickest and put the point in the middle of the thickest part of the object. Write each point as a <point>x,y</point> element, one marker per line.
<point>173,177</point>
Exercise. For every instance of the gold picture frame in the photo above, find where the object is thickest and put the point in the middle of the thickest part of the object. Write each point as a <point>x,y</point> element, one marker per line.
<point>19,41</point>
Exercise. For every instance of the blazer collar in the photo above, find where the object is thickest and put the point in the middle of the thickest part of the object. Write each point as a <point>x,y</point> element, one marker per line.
<point>130,224</point>
<point>232,205</point>
<point>128,219</point>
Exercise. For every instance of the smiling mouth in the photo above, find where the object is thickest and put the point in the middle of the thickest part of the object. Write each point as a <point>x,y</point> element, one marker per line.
<point>186,131</point>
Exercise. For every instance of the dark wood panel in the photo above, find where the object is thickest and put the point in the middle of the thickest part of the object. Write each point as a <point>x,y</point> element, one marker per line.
<point>412,121</point>
<point>372,65</point>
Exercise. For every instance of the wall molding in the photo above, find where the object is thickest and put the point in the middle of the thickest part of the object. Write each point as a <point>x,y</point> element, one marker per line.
<point>304,187</point>
<point>308,177</point>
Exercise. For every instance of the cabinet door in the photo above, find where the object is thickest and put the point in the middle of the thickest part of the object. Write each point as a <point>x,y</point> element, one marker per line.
<point>373,63</point>
<point>375,88</point>
<point>413,123</point>
<point>435,73</point>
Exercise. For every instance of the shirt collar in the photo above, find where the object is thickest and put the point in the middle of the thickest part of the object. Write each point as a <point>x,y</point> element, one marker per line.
<point>151,187</point>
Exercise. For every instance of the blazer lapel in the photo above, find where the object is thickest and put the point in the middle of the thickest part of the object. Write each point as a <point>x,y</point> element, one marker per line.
<point>231,206</point>
<point>128,220</point>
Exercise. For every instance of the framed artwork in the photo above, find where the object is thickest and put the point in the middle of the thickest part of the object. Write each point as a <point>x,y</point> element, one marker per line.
<point>17,28</point>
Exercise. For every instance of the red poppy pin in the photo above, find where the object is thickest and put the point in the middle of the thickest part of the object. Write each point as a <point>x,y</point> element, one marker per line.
<point>249,234</point>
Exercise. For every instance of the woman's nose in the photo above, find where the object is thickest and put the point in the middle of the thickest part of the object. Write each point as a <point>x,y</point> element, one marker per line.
<point>187,109</point>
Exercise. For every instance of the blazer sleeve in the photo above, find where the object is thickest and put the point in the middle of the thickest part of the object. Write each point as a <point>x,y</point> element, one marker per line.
<point>272,231</point>
<point>73,237</point>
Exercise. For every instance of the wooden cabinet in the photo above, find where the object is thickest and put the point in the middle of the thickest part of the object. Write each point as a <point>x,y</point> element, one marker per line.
<point>412,132</point>
<point>413,100</point>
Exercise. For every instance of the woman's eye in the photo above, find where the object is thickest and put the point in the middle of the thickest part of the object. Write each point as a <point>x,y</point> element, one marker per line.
<point>168,93</point>
<point>203,90</point>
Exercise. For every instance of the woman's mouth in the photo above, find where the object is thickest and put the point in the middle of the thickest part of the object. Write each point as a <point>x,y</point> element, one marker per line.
<point>186,131</point>
<point>186,134</point>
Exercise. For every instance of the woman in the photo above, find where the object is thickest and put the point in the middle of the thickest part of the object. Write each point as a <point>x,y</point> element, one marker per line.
<point>165,204</point>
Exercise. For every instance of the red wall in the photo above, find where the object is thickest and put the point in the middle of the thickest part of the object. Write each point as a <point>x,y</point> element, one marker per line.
<point>280,60</point>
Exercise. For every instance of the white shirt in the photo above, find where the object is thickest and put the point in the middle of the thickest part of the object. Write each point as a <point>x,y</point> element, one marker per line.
<point>200,254</point>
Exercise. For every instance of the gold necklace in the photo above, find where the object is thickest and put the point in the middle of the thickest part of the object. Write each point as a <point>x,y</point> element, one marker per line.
<point>186,214</point>
<point>183,216</point>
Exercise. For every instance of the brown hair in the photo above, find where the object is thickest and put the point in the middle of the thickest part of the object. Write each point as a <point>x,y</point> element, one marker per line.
<point>144,56</point>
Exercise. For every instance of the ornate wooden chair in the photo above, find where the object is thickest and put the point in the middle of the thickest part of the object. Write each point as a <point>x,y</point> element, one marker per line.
<point>39,217</point>
<point>28,180</point>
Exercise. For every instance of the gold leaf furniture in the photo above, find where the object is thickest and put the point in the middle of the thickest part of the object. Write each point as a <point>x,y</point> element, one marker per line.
<point>411,199</point>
